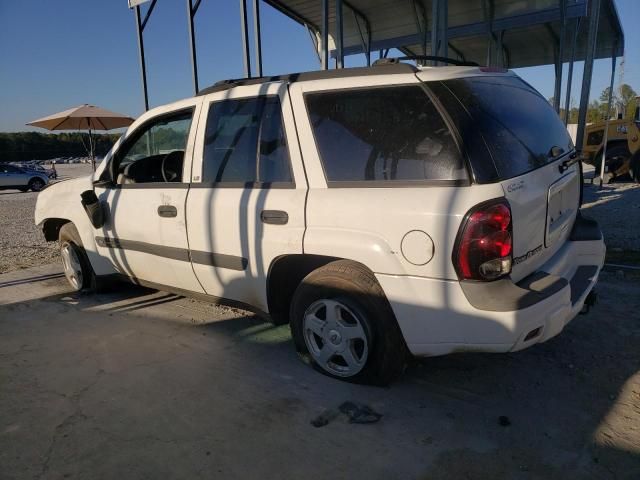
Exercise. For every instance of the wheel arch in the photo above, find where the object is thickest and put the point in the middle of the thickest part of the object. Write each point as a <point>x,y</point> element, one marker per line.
<point>51,228</point>
<point>284,275</point>
<point>610,144</point>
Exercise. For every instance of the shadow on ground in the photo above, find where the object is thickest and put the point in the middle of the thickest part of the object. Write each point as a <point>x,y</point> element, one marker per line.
<point>144,384</point>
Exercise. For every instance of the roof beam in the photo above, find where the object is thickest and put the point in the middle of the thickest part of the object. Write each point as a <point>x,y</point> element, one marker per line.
<point>574,10</point>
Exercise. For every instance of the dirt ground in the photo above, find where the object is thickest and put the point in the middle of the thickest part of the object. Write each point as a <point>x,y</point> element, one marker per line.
<point>143,384</point>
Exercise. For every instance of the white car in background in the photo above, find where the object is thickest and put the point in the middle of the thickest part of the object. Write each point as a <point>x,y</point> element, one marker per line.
<point>380,211</point>
<point>17,178</point>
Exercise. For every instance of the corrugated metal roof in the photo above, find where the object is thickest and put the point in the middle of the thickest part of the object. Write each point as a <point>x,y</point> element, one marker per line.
<point>531,27</point>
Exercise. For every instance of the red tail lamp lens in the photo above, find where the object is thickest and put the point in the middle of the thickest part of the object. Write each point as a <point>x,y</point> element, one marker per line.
<point>484,247</point>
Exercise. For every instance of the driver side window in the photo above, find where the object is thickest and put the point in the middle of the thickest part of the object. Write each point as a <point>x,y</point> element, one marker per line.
<point>155,154</point>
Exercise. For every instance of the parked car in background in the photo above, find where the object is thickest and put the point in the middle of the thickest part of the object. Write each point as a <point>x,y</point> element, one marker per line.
<point>379,211</point>
<point>23,179</point>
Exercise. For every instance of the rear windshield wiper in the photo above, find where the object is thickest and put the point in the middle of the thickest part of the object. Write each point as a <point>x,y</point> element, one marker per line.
<point>564,166</point>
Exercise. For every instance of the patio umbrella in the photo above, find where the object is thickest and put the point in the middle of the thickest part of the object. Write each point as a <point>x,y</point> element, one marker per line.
<point>84,117</point>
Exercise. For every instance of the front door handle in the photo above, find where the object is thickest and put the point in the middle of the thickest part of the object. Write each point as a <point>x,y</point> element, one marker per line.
<point>167,211</point>
<point>274,217</point>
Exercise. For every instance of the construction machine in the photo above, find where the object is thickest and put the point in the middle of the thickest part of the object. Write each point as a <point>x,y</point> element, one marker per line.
<point>623,146</point>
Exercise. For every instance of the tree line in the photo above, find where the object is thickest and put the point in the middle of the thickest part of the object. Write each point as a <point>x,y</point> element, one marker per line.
<point>623,102</point>
<point>21,146</point>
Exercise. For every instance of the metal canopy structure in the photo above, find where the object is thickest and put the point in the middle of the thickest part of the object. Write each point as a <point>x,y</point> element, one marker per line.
<point>501,33</point>
<point>509,33</point>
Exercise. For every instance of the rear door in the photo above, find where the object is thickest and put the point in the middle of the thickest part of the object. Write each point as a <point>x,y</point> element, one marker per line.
<point>248,189</point>
<point>529,155</point>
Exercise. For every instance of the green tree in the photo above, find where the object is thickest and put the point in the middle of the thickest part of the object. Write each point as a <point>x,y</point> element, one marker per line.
<point>624,100</point>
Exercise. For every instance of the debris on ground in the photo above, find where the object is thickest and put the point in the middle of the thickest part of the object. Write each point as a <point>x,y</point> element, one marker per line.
<point>355,412</point>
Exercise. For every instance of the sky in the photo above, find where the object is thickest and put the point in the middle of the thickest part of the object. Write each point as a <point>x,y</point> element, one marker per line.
<point>56,54</point>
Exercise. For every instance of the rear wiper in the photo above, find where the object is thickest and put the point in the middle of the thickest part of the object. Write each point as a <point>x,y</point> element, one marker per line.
<point>573,158</point>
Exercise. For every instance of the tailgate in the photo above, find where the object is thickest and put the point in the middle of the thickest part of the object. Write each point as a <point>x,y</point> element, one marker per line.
<point>544,204</point>
<point>515,138</point>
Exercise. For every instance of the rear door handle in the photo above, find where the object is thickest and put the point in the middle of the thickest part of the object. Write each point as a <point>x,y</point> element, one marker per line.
<point>274,217</point>
<point>167,211</point>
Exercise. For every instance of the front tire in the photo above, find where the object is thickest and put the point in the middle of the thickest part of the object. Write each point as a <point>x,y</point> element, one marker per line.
<point>36,184</point>
<point>616,156</point>
<point>75,263</point>
<point>343,325</point>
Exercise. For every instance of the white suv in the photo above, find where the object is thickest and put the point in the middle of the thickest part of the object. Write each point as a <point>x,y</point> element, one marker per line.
<point>380,211</point>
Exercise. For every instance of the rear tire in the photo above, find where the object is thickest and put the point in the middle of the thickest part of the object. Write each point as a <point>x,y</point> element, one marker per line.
<point>76,265</point>
<point>343,325</point>
<point>36,184</point>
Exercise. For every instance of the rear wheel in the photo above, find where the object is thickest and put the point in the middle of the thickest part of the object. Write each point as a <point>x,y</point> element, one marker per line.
<point>343,325</point>
<point>36,184</point>
<point>75,263</point>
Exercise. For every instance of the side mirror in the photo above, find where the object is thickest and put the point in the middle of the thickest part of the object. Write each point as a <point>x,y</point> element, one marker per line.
<point>93,207</point>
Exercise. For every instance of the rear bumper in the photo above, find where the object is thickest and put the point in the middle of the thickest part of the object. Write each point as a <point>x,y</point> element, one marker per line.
<point>439,316</point>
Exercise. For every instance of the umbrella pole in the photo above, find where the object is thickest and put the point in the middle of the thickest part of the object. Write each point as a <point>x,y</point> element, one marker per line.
<point>93,160</point>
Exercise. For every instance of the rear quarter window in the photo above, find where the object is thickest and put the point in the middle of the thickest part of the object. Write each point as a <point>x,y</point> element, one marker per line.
<point>518,125</point>
<point>384,135</point>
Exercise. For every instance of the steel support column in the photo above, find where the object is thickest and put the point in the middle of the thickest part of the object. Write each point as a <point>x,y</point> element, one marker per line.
<point>592,36</point>
<point>244,32</point>
<point>421,24</point>
<point>365,42</point>
<point>567,100</point>
<point>489,12</point>
<point>143,66</point>
<point>439,29</point>
<point>339,35</point>
<point>257,36</point>
<point>191,11</point>
<point>560,56</point>
<point>324,41</point>
<point>606,126</point>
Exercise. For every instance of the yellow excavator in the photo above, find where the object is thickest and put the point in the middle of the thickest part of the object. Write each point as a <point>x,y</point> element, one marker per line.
<point>623,146</point>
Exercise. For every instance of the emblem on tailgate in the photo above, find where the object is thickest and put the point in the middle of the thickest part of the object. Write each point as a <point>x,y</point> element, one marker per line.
<point>515,186</point>
<point>528,255</point>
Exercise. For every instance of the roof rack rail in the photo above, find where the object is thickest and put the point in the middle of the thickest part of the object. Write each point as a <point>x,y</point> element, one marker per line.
<point>451,61</point>
<point>391,67</point>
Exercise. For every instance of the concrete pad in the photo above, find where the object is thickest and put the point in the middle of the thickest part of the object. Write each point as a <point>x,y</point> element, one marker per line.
<point>144,384</point>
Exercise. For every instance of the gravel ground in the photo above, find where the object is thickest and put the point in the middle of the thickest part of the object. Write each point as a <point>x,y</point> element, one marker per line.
<point>22,244</point>
<point>616,208</point>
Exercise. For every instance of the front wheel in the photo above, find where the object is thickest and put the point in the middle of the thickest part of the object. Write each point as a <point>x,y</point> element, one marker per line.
<point>75,263</point>
<point>36,184</point>
<point>343,325</point>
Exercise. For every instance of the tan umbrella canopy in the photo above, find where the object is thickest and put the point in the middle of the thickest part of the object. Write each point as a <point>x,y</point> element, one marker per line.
<point>84,117</point>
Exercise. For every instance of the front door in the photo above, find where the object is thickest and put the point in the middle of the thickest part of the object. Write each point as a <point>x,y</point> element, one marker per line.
<point>247,197</point>
<point>145,236</point>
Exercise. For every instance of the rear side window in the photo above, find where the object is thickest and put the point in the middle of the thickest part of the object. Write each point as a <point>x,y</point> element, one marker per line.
<point>245,143</point>
<point>389,134</point>
<point>519,126</point>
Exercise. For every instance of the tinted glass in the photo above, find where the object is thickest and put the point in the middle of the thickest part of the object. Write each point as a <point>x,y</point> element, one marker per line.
<point>383,134</point>
<point>9,169</point>
<point>519,126</point>
<point>245,142</point>
<point>157,152</point>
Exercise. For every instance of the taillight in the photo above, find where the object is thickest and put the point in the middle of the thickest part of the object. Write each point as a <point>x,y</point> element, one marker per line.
<point>484,247</point>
